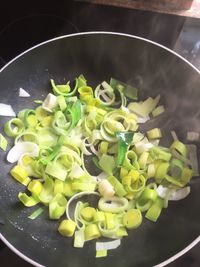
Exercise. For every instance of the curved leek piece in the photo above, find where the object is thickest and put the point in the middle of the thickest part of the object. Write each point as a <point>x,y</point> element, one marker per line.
<point>3,142</point>
<point>110,233</point>
<point>47,137</point>
<point>56,170</point>
<point>35,187</point>
<point>38,168</point>
<point>124,140</point>
<point>58,187</point>
<point>162,170</point>
<point>176,167</point>
<point>50,103</point>
<point>81,81</point>
<point>99,216</point>
<point>28,201</point>
<point>113,204</point>
<point>132,219</point>
<point>76,172</point>
<point>118,187</point>
<point>86,95</point>
<point>54,151</point>
<point>91,232</point>
<point>75,111</point>
<point>13,127</point>
<point>64,89</point>
<point>174,181</point>
<point>131,160</point>
<point>151,170</point>
<point>105,188</point>
<point>107,163</point>
<point>158,110</point>
<point>60,124</point>
<point>27,136</point>
<point>40,113</point>
<point>101,253</point>
<point>180,148</point>
<point>148,194</point>
<point>186,175</point>
<point>67,228</point>
<point>103,147</point>
<point>87,213</point>
<point>79,238</point>
<point>129,91</point>
<point>117,121</point>
<point>77,196</point>
<point>68,158</point>
<point>20,175</point>
<point>80,221</point>
<point>136,186</point>
<point>104,133</point>
<point>36,213</point>
<point>105,95</point>
<point>22,148</point>
<point>57,206</point>
<point>144,108</point>
<point>143,159</point>
<point>154,211</point>
<point>183,179</point>
<point>157,152</point>
<point>83,186</point>
<point>62,102</point>
<point>154,133</point>
<point>46,194</point>
<point>28,117</point>
<point>31,120</point>
<point>146,199</point>
<point>44,153</point>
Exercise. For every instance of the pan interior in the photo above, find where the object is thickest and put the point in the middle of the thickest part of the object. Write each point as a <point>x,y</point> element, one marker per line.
<point>100,56</point>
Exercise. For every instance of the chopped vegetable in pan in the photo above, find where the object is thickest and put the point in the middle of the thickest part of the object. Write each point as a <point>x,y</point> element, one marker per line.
<point>77,123</point>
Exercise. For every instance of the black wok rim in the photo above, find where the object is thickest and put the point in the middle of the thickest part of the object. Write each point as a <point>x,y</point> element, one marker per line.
<point>195,241</point>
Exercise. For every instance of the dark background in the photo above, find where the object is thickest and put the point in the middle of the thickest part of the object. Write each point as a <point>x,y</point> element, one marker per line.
<point>24,24</point>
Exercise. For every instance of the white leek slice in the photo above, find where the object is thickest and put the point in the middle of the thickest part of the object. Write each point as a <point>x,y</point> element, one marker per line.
<point>6,110</point>
<point>108,245</point>
<point>192,136</point>
<point>94,151</point>
<point>22,148</point>
<point>28,168</point>
<point>23,93</point>
<point>144,108</point>
<point>174,135</point>
<point>143,145</point>
<point>96,135</point>
<point>79,238</point>
<point>101,176</point>
<point>76,171</point>
<point>113,204</point>
<point>105,188</point>
<point>143,119</point>
<point>174,194</point>
<point>77,196</point>
<point>50,102</point>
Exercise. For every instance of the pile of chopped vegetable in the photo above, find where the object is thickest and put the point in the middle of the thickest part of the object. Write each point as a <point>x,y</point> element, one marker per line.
<point>137,176</point>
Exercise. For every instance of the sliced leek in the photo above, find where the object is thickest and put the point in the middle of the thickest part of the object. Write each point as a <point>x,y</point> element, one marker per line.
<point>54,142</point>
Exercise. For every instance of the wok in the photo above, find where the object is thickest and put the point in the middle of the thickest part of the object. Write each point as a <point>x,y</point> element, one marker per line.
<point>153,69</point>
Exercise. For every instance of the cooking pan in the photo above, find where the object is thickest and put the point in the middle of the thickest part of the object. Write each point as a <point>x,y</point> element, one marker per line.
<point>153,69</point>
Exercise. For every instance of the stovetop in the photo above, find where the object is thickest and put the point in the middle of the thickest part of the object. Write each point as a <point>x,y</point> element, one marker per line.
<point>24,24</point>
